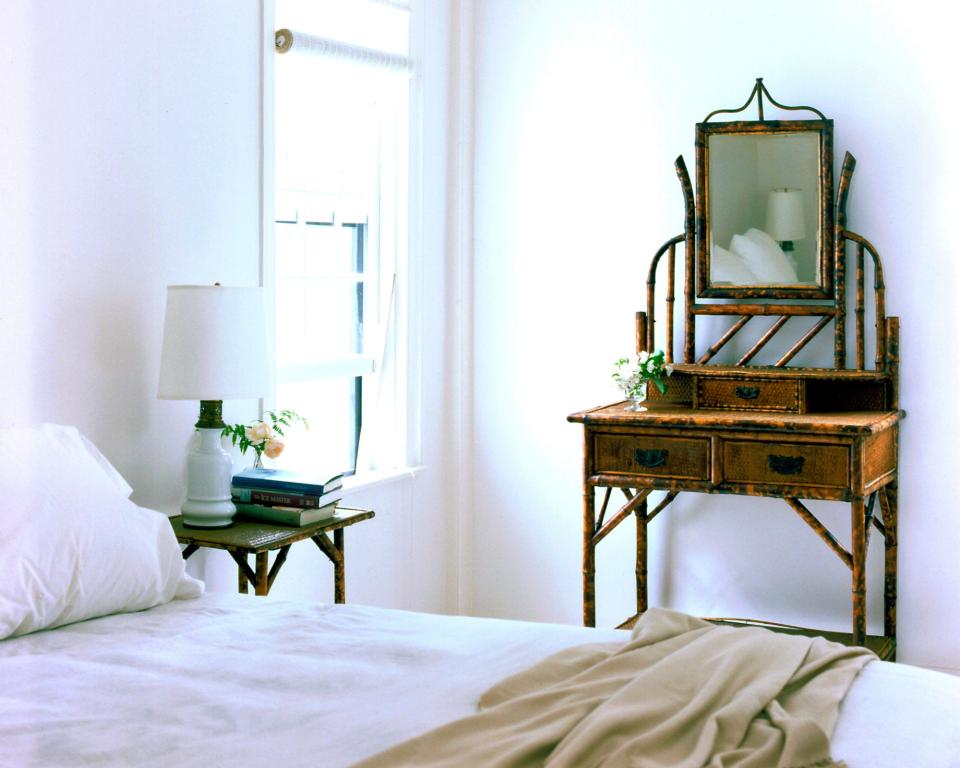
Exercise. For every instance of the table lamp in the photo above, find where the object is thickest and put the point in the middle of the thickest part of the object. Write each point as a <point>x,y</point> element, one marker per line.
<point>785,217</point>
<point>214,349</point>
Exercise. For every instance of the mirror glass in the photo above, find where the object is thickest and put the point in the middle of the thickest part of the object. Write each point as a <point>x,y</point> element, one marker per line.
<point>763,208</point>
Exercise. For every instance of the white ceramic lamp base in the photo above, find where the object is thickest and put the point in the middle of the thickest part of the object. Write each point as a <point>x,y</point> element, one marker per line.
<point>209,474</point>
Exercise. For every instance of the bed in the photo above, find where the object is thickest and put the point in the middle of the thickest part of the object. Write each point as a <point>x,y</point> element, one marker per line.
<point>174,677</point>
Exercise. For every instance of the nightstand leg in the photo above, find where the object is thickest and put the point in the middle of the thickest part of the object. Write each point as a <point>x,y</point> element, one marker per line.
<point>242,580</point>
<point>262,585</point>
<point>339,576</point>
<point>859,553</point>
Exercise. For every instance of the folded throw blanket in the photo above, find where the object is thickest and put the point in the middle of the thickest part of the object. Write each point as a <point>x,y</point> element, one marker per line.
<point>682,693</point>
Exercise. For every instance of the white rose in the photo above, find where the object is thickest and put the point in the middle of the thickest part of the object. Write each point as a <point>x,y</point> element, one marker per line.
<point>643,357</point>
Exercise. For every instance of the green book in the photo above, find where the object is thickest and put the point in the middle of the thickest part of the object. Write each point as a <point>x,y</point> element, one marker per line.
<point>285,515</point>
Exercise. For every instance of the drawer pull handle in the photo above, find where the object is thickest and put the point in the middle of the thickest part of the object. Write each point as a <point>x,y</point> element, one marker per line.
<point>748,393</point>
<point>650,458</point>
<point>785,465</point>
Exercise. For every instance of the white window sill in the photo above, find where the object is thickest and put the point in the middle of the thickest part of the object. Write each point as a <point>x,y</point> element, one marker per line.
<point>357,483</point>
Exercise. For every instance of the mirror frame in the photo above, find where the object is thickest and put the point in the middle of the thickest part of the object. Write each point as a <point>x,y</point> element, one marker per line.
<point>825,289</point>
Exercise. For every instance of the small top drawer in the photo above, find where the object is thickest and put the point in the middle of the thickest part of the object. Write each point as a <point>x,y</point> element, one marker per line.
<point>745,394</point>
<point>653,456</point>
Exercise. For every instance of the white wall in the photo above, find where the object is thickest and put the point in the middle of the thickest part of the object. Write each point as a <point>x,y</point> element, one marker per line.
<point>130,160</point>
<point>581,110</point>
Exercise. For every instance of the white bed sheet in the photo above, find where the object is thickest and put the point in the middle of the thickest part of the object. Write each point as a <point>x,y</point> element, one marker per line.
<point>243,681</point>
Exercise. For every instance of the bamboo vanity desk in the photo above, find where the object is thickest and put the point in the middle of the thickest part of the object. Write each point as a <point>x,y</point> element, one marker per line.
<point>772,430</point>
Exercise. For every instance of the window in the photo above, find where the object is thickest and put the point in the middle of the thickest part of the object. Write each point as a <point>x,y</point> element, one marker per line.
<point>340,176</point>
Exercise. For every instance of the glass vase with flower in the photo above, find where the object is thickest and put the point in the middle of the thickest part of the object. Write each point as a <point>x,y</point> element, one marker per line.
<point>633,377</point>
<point>265,437</point>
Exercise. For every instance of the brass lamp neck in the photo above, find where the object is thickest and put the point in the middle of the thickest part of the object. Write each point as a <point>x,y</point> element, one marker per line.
<point>211,415</point>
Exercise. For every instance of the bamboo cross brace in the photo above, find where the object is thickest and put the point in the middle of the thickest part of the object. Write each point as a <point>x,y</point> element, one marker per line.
<point>762,341</point>
<point>241,561</point>
<point>277,565</point>
<point>867,517</point>
<point>803,341</point>
<point>731,332</point>
<point>665,502</point>
<point>603,509</point>
<point>326,546</point>
<point>820,529</point>
<point>622,515</point>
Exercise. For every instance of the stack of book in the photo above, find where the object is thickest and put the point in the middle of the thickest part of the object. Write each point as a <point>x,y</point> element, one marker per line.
<point>285,497</point>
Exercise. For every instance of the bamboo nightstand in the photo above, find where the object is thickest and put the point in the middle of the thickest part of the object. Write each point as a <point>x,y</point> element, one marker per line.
<point>247,537</point>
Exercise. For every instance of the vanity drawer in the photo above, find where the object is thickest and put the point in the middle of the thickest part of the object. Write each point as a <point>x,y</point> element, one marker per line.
<point>749,394</point>
<point>770,463</point>
<point>654,456</point>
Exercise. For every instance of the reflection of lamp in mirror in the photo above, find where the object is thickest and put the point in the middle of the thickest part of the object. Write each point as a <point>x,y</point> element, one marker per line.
<point>785,216</point>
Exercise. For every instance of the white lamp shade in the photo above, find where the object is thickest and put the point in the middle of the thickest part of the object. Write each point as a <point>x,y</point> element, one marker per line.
<point>214,344</point>
<point>785,215</point>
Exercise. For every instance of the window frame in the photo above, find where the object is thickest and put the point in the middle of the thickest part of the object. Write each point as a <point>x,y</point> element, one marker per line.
<point>404,367</point>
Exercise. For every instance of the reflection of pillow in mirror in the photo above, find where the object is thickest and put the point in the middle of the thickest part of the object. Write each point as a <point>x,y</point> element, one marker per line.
<point>762,238</point>
<point>770,265</point>
<point>726,267</point>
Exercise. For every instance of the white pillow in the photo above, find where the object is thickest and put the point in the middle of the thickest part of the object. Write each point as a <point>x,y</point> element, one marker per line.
<point>73,546</point>
<point>767,262</point>
<point>726,267</point>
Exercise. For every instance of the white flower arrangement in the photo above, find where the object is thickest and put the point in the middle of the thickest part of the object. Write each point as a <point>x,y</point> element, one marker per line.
<point>631,377</point>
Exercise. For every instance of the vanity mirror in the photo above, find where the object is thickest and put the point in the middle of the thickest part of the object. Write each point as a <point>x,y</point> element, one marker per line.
<point>764,206</point>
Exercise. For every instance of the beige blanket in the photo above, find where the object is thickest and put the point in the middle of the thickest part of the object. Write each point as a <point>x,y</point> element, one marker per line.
<point>682,693</point>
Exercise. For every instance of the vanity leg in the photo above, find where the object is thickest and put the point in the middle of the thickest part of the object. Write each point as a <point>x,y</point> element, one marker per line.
<point>888,506</point>
<point>859,547</point>
<point>640,513</point>
<point>589,522</point>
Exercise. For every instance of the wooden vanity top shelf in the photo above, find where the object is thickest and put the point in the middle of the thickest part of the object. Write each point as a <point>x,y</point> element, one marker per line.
<point>667,415</point>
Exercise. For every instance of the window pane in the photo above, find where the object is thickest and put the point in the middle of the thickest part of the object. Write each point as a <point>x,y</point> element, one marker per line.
<point>330,406</point>
<point>329,250</point>
<point>317,319</point>
<point>289,248</point>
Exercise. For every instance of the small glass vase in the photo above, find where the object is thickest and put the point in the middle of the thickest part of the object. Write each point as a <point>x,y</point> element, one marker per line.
<point>637,397</point>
